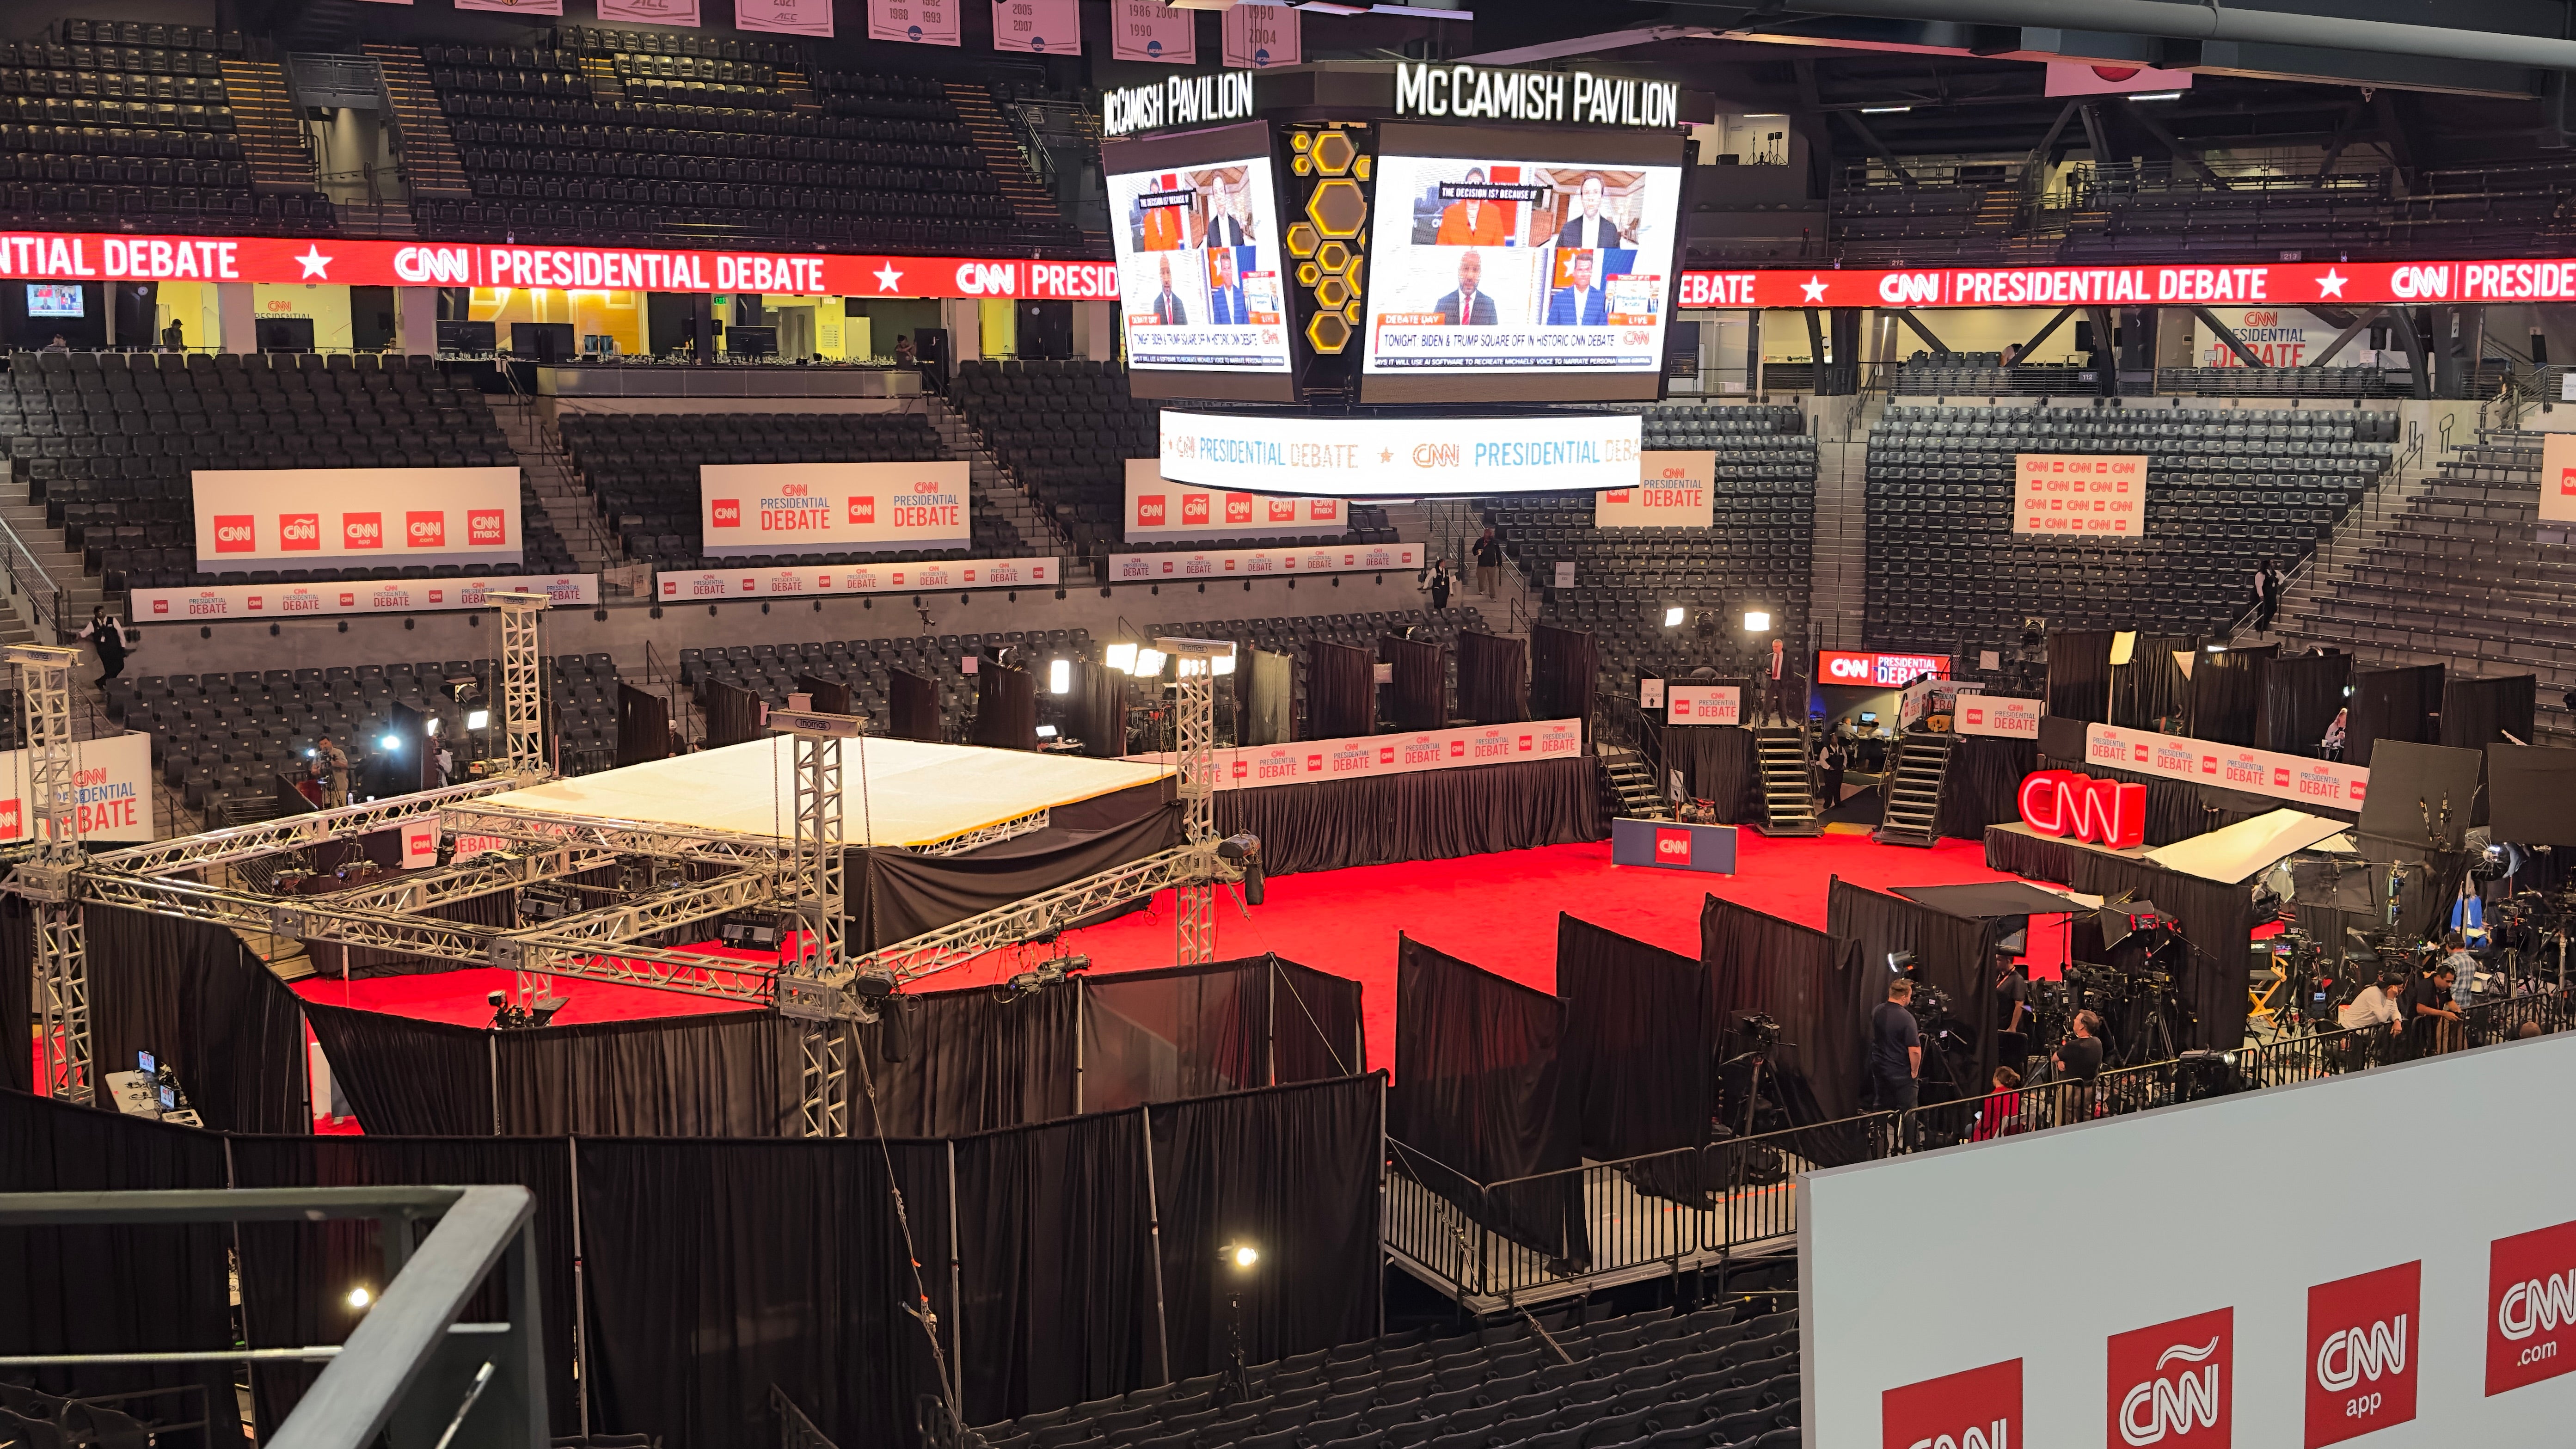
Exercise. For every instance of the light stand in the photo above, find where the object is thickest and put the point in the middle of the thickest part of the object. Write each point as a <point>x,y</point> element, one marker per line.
<point>1242,1257</point>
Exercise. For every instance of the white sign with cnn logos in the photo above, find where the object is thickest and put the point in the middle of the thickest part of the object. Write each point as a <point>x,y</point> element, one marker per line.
<point>1159,508</point>
<point>111,790</point>
<point>1305,762</point>
<point>215,603</point>
<point>1994,714</point>
<point>1255,563</point>
<point>1704,704</point>
<point>713,586</point>
<point>798,508</point>
<point>1673,490</point>
<point>343,518</point>
<point>2558,476</point>
<point>2325,784</point>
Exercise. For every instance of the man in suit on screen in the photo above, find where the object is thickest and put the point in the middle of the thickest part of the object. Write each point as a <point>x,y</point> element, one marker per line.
<point>1225,290</point>
<point>1231,223</point>
<point>1168,311</point>
<point>1579,305</point>
<point>1471,223</point>
<point>1588,227</point>
<point>1470,304</point>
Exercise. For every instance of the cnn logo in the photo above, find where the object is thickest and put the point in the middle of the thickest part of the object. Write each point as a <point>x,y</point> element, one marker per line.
<point>234,533</point>
<point>1238,508</point>
<point>1149,510</point>
<point>725,513</point>
<point>299,532</point>
<point>863,508</point>
<point>1194,508</point>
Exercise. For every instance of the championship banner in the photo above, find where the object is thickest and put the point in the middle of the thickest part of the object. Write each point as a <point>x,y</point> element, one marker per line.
<point>709,586</point>
<point>1253,563</point>
<point>1257,36</point>
<point>1302,761</point>
<point>2259,284</point>
<point>656,12</point>
<point>2328,784</point>
<point>917,22</point>
<point>793,508</point>
<point>810,18</point>
<point>1402,457</point>
<point>1998,716</point>
<point>1673,490</point>
<point>2558,476</point>
<point>514,7</point>
<point>111,791</point>
<point>2086,495</point>
<point>338,518</point>
<point>1037,27</point>
<point>212,602</point>
<point>1157,508</point>
<point>67,256</point>
<point>1703,704</point>
<point>1147,30</point>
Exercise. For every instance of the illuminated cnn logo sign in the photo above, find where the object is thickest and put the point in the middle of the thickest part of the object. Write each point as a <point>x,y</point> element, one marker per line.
<point>2170,1384</point>
<point>2361,1377</point>
<point>2421,281</point>
<point>433,264</point>
<point>2062,802</point>
<point>987,279</point>
<point>1909,289</point>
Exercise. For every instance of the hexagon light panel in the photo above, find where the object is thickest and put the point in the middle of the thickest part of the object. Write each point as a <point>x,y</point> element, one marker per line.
<point>1329,238</point>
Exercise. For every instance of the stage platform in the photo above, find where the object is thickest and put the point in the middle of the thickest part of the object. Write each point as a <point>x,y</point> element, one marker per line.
<point>894,792</point>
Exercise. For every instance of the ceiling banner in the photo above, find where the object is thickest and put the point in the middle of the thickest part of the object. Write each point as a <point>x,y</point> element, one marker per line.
<point>812,18</point>
<point>1149,30</point>
<point>1261,35</point>
<point>652,12</point>
<point>915,22</point>
<point>1038,27</point>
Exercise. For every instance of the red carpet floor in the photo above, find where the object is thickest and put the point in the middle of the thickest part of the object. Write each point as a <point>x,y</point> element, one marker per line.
<point>1498,911</point>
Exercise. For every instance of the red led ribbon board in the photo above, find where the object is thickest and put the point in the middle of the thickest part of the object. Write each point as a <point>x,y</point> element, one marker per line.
<point>2268,284</point>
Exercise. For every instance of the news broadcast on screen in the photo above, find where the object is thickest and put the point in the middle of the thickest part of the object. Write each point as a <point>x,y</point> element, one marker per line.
<point>1198,266</point>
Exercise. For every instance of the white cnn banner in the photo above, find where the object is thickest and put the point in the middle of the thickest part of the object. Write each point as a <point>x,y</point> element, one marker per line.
<point>330,518</point>
<point>1257,36</point>
<point>1673,490</point>
<point>2197,1334</point>
<point>1402,457</point>
<point>1148,30</point>
<point>2091,495</point>
<point>1703,704</point>
<point>716,585</point>
<point>1039,27</point>
<point>784,17</point>
<point>919,22</point>
<point>1253,563</point>
<point>111,790</point>
<point>793,508</point>
<point>1303,761</point>
<point>2295,778</point>
<point>2558,476</point>
<point>1997,715</point>
<point>1159,508</point>
<point>366,596</point>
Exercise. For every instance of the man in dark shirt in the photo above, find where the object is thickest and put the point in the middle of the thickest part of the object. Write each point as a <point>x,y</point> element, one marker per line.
<point>2427,1006</point>
<point>2012,1008</point>
<point>1896,1049</point>
<point>2079,1057</point>
<point>1489,565</point>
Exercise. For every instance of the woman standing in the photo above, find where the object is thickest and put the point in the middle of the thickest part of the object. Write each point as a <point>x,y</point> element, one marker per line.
<point>1438,586</point>
<point>107,636</point>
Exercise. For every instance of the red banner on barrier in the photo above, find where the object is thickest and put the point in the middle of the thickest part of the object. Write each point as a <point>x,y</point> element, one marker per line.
<point>2264,283</point>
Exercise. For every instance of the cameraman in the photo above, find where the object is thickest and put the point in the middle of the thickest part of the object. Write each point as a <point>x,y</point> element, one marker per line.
<point>2012,1010</point>
<point>2079,1057</point>
<point>1896,1049</point>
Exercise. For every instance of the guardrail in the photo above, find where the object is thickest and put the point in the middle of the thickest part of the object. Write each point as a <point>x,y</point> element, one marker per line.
<point>48,606</point>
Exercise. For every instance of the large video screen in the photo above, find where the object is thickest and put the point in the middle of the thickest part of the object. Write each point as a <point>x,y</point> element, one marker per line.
<point>1520,266</point>
<point>1194,222</point>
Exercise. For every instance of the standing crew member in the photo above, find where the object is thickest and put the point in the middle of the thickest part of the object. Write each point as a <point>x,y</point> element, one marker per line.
<point>1489,564</point>
<point>1896,1049</point>
<point>332,764</point>
<point>1777,684</point>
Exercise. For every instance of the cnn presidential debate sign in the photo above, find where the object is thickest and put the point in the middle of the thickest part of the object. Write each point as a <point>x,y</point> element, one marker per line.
<point>2089,495</point>
<point>2434,1306</point>
<point>2296,779</point>
<point>715,586</point>
<point>343,518</point>
<point>111,791</point>
<point>795,508</point>
<point>1402,457</point>
<point>1673,490</point>
<point>1305,761</point>
<point>214,603</point>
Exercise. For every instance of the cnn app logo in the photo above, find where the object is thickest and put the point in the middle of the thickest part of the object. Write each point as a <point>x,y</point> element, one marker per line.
<point>425,530</point>
<point>1149,510</point>
<point>2531,1307</point>
<point>863,508</point>
<point>234,533</point>
<point>2361,1359</point>
<point>1194,508</point>
<point>2173,1383</point>
<point>1977,1408</point>
<point>299,532</point>
<point>362,530</point>
<point>486,527</point>
<point>725,513</point>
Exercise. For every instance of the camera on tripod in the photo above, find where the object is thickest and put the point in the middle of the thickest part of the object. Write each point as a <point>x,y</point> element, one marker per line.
<point>1760,1032</point>
<point>1930,1003</point>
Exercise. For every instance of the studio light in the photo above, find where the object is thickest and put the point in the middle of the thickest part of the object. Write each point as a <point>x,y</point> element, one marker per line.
<point>359,1298</point>
<point>1060,676</point>
<point>1244,1256</point>
<point>2157,96</point>
<point>1121,657</point>
<point>1756,622</point>
<point>1223,664</point>
<point>479,719</point>
<point>1673,615</point>
<point>434,722</point>
<point>1046,732</point>
<point>390,742</point>
<point>1899,962</point>
<point>2217,649</point>
<point>1884,110</point>
<point>1149,663</point>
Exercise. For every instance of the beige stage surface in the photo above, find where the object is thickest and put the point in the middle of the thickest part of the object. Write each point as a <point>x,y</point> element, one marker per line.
<point>914,794</point>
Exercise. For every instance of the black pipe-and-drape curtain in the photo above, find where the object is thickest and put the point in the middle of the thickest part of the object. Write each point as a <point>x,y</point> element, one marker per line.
<point>1565,669</point>
<point>912,707</point>
<point>1761,964</point>
<point>2477,713</point>
<point>895,895</point>
<point>1426,815</point>
<point>2217,919</point>
<point>2393,704</point>
<point>17,989</point>
<point>1341,691</point>
<point>1637,1054</point>
<point>1481,1097</point>
<point>2226,695</point>
<point>2079,674</point>
<point>1006,707</point>
<point>1493,679</point>
<point>2300,696</point>
<point>1981,785</point>
<point>1716,765</point>
<point>2151,686</point>
<point>1951,953</point>
<point>733,714</point>
<point>643,726</point>
<point>195,997</point>
<point>830,696</point>
<point>1418,692</point>
<point>946,1063</point>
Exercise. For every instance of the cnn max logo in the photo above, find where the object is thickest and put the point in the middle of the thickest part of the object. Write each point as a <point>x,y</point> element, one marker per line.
<point>486,527</point>
<point>1977,1408</point>
<point>425,530</point>
<point>235,533</point>
<point>2173,1383</point>
<point>362,530</point>
<point>299,532</point>
<point>1238,508</point>
<point>2531,1307</point>
<point>2361,1374</point>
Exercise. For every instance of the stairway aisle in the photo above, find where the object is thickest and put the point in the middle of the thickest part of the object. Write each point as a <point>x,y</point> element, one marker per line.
<point>1788,791</point>
<point>431,167</point>
<point>984,474</point>
<point>1836,602</point>
<point>1629,786</point>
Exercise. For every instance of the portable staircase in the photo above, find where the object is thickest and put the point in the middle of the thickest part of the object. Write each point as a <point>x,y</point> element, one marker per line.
<point>1912,793</point>
<point>1628,785</point>
<point>1788,793</point>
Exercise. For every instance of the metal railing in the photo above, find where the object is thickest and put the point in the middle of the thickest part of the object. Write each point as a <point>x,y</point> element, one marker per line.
<point>47,605</point>
<point>795,1431</point>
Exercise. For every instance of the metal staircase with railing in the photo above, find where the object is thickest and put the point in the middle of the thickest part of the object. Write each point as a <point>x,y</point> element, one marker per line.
<point>1628,785</point>
<point>1788,792</point>
<point>1912,791</point>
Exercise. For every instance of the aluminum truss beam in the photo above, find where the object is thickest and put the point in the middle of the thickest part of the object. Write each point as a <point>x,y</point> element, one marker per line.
<point>551,828</point>
<point>61,984</point>
<point>293,832</point>
<point>522,727</point>
<point>1194,720</point>
<point>980,837</point>
<point>815,869</point>
<point>1015,924</point>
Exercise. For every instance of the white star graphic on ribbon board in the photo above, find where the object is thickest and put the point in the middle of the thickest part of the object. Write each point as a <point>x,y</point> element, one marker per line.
<point>2331,285</point>
<point>313,263</point>
<point>888,278</point>
<point>1813,287</point>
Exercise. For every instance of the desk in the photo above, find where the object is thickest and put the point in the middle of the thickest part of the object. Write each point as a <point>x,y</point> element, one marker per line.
<point>1708,848</point>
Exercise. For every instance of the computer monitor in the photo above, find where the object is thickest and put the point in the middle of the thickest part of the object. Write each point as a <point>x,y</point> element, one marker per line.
<point>143,1063</point>
<point>1869,716</point>
<point>751,341</point>
<point>544,341</point>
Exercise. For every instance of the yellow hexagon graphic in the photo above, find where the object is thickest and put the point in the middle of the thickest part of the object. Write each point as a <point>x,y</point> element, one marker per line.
<point>1300,139</point>
<point>1299,165</point>
<point>1352,311</point>
<point>1351,273</point>
<point>1328,332</point>
<point>1338,208</point>
<point>1334,256</point>
<point>1332,292</point>
<point>1334,153</point>
<point>1308,274</point>
<point>1302,240</point>
<point>1360,168</point>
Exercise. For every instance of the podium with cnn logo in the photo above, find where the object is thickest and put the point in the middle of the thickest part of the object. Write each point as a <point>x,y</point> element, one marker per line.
<point>1709,848</point>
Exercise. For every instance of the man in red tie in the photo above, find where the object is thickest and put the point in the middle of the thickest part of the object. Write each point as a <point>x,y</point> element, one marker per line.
<point>1779,687</point>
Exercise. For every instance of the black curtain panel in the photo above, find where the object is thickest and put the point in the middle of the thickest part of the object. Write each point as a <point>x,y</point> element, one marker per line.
<point>1953,955</point>
<point>1481,1096</point>
<point>408,1078</point>
<point>2217,919</point>
<point>1098,716</point>
<point>2394,704</point>
<point>733,714</point>
<point>1293,1173</point>
<point>1427,815</point>
<point>1639,1044</point>
<point>830,696</point>
<point>195,997</point>
<point>912,707</point>
<point>1341,691</point>
<point>643,725</point>
<point>1315,1029</point>
<point>945,1063</point>
<point>1417,694</point>
<point>2151,685</point>
<point>894,895</point>
<point>2226,695</point>
<point>296,1277</point>
<point>2477,713</point>
<point>122,1289</point>
<point>1760,964</point>
<point>1056,1266</point>
<point>1187,1031</point>
<point>2300,696</point>
<point>1493,678</point>
<point>17,990</point>
<point>2079,674</point>
<point>719,1074</point>
<point>1981,785</point>
<point>716,1270</point>
<point>1006,707</point>
<point>1565,669</point>
<point>1716,765</point>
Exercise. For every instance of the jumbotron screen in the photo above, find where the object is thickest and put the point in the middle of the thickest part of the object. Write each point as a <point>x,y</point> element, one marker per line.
<point>1199,283</point>
<point>1534,269</point>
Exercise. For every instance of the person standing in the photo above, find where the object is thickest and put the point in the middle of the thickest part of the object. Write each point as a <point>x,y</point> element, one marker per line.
<point>107,636</point>
<point>1489,564</point>
<point>1830,762</point>
<point>1777,685</point>
<point>2267,596</point>
<point>332,764</point>
<point>2079,1057</point>
<point>1896,1049</point>
<point>1437,586</point>
<point>2429,1017</point>
<point>174,338</point>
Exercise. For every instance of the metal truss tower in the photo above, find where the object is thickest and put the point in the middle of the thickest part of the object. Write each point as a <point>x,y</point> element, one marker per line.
<point>61,982</point>
<point>1194,720</point>
<point>815,883</point>
<point>522,727</point>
